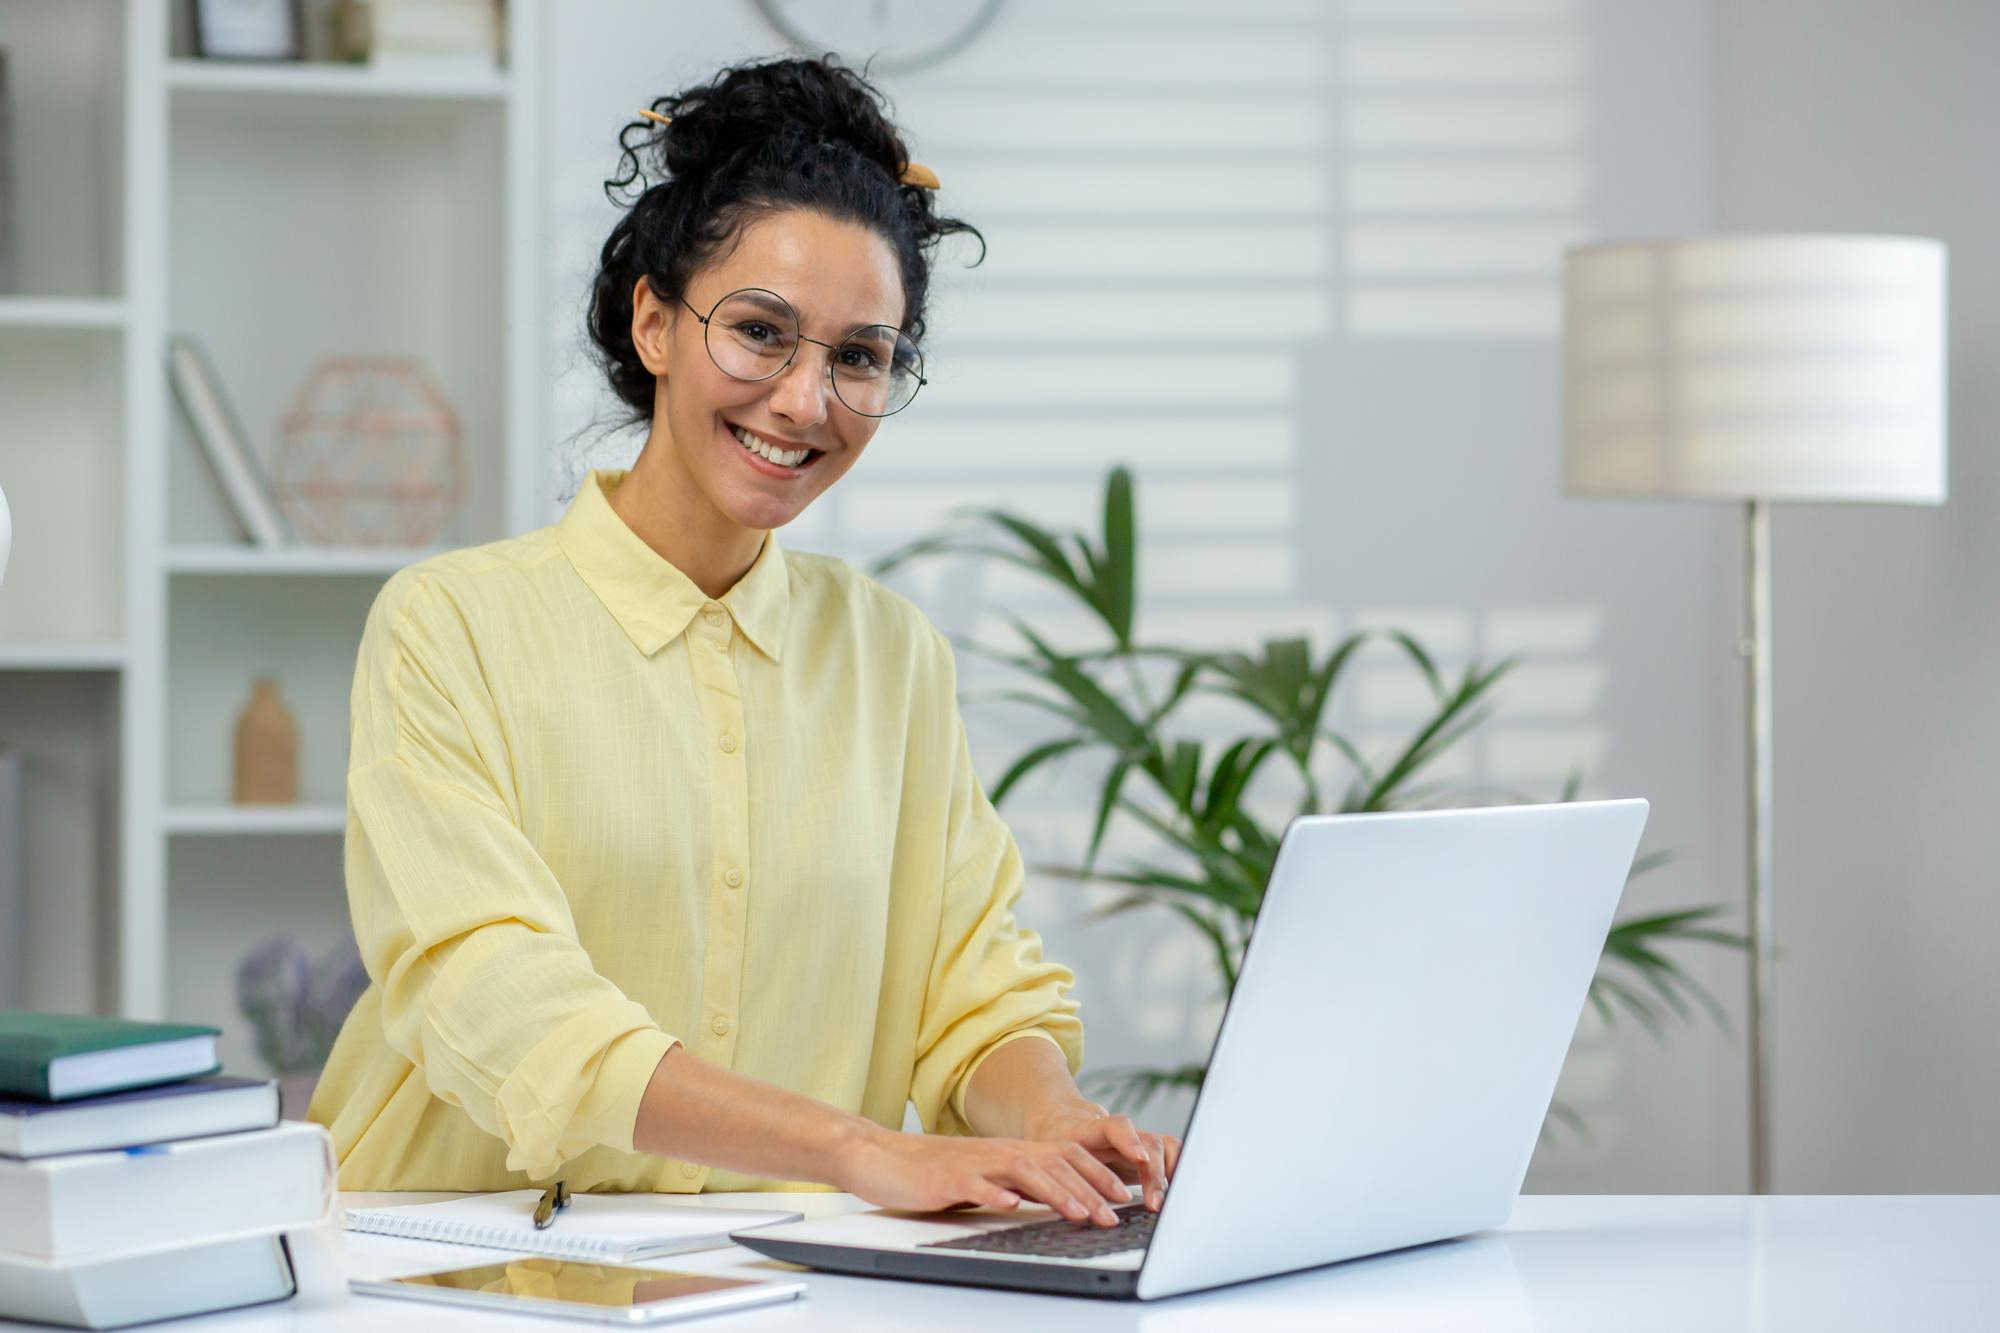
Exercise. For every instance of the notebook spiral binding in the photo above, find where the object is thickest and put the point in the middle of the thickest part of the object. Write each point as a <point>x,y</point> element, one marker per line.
<point>485,1234</point>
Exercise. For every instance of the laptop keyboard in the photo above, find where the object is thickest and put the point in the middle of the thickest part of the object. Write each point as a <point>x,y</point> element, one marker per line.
<point>1061,1238</point>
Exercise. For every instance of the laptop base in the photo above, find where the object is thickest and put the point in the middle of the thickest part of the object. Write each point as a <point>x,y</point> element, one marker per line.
<point>959,1270</point>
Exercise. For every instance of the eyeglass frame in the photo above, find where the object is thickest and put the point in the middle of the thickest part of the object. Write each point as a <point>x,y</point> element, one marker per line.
<point>799,325</point>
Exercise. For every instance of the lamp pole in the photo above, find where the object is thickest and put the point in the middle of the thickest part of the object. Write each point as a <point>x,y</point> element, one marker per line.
<point>1756,650</point>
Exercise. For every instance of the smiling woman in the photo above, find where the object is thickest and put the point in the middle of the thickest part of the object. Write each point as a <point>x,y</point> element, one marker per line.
<point>665,851</point>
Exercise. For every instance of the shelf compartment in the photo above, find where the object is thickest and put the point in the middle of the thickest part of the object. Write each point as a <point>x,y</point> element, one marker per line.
<point>224,633</point>
<point>62,460</point>
<point>65,726</point>
<point>66,88</point>
<point>225,897</point>
<point>297,237</point>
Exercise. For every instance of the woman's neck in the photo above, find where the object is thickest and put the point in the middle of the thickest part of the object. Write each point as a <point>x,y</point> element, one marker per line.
<point>660,502</point>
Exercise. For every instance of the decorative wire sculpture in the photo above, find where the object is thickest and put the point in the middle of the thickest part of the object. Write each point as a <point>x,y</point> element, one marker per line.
<point>370,455</point>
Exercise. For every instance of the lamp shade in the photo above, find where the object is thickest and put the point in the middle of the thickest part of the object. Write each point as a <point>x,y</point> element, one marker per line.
<point>1776,367</point>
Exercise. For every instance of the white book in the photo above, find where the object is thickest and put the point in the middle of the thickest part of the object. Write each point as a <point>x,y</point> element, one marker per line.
<point>112,1291</point>
<point>227,450</point>
<point>70,1207</point>
<point>602,1228</point>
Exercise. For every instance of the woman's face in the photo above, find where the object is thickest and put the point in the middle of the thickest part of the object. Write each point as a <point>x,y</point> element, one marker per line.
<point>839,277</point>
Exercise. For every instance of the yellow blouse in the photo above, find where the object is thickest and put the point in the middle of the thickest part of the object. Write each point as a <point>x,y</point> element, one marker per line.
<point>592,812</point>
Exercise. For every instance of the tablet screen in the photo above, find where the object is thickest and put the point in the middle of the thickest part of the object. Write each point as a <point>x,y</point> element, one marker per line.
<point>575,1283</point>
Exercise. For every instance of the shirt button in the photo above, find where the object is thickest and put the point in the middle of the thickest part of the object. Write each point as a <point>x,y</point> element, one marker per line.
<point>690,1170</point>
<point>717,617</point>
<point>721,1026</point>
<point>733,878</point>
<point>728,743</point>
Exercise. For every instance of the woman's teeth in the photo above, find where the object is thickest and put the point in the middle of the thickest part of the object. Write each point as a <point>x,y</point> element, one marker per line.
<point>782,457</point>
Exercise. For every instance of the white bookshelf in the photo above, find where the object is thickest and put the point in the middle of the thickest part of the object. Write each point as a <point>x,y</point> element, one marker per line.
<point>282,214</point>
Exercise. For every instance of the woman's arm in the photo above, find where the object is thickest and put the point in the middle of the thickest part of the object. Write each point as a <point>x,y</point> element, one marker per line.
<point>1024,1090</point>
<point>698,1111</point>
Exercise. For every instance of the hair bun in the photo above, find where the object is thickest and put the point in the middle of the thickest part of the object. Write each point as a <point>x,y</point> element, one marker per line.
<point>785,106</point>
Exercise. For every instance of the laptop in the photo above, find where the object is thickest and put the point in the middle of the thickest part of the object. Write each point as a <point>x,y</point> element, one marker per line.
<point>1379,1079</point>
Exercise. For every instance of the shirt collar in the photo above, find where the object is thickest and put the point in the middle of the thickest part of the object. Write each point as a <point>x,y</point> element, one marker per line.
<point>649,597</point>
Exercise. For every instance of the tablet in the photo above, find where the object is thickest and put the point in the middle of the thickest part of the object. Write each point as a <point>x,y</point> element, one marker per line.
<point>603,1293</point>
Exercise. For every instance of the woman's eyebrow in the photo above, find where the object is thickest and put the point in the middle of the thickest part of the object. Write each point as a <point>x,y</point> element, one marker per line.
<point>768,299</point>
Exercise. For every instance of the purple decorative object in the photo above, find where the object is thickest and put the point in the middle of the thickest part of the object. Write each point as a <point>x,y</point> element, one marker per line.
<point>296,1005</point>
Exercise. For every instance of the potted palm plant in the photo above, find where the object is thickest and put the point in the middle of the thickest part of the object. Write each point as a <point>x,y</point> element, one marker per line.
<point>1205,807</point>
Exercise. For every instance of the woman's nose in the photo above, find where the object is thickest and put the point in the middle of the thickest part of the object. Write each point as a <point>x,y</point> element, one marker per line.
<point>801,391</point>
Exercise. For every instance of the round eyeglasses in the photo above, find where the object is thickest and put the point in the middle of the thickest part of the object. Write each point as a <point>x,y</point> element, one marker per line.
<point>753,334</point>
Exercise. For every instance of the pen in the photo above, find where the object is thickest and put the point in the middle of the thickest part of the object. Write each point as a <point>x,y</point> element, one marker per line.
<point>554,1199</point>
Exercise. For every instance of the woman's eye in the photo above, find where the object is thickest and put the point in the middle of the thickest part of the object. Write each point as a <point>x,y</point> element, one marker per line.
<point>756,332</point>
<point>859,358</point>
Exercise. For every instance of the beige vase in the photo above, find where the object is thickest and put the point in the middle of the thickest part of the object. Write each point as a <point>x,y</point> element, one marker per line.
<point>267,749</point>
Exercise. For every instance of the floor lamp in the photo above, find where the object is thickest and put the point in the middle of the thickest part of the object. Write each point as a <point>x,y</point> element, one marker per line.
<point>1756,368</point>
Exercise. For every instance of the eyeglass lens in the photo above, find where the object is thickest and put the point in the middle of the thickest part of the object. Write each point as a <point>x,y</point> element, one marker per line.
<point>753,334</point>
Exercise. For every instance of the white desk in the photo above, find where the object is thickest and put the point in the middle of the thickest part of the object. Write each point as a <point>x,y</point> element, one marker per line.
<point>1798,1264</point>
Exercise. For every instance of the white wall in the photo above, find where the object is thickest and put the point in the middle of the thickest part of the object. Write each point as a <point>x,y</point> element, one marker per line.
<point>1854,115</point>
<point>1367,202</point>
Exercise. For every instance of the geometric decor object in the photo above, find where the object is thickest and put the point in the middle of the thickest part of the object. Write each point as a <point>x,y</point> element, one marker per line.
<point>369,455</point>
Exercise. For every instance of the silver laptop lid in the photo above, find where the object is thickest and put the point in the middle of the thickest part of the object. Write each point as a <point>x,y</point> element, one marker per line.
<point>1382,1070</point>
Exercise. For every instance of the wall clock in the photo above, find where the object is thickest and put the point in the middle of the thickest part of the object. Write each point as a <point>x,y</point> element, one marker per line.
<point>900,36</point>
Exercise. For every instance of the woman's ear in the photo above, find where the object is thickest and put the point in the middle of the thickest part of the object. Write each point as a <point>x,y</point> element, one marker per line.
<point>651,323</point>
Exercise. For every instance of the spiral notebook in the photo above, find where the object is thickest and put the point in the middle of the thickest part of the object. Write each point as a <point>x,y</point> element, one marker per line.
<point>603,1228</point>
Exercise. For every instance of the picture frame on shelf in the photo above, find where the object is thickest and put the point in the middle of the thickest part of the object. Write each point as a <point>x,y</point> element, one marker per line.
<point>232,463</point>
<point>249,30</point>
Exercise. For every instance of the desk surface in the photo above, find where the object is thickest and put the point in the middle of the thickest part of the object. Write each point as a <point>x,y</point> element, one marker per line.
<point>1677,1262</point>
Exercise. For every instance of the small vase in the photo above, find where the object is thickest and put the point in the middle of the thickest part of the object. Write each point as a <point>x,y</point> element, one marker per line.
<point>267,749</point>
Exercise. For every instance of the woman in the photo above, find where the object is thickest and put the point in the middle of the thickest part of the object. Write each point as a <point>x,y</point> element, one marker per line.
<point>665,852</point>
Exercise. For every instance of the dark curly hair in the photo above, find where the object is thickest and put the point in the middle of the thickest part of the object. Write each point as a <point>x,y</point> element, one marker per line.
<point>759,138</point>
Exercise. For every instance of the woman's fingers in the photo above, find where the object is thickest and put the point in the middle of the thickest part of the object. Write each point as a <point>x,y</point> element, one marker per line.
<point>1121,1134</point>
<point>1068,1173</point>
<point>991,1194</point>
<point>1102,1179</point>
<point>1173,1154</point>
<point>1154,1174</point>
<point>1139,1156</point>
<point>1044,1186</point>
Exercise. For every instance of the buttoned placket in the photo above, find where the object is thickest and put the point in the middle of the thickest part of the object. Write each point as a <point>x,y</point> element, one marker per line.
<point>711,655</point>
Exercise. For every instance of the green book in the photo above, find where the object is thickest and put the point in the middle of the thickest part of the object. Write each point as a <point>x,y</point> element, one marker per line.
<point>53,1057</point>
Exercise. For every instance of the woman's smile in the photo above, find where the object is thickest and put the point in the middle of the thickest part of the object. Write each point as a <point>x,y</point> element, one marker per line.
<point>770,458</point>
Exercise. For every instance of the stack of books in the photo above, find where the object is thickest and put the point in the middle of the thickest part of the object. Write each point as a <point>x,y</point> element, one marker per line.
<point>135,1183</point>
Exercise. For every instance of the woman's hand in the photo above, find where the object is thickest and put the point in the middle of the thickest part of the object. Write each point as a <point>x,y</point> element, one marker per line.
<point>927,1172</point>
<point>1114,1140</point>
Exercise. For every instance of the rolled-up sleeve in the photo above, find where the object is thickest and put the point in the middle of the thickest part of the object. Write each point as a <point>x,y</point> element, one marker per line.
<point>463,927</point>
<point>989,983</point>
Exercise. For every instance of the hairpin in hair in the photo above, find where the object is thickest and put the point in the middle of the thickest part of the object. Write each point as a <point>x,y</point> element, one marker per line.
<point>916,173</point>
